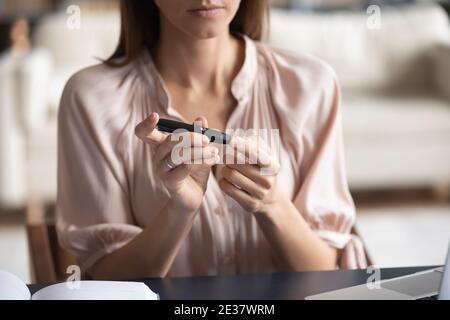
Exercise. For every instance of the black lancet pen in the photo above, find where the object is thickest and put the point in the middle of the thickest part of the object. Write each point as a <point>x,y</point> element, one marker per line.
<point>170,126</point>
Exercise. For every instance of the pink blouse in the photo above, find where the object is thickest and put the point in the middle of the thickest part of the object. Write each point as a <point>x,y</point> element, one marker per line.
<point>107,189</point>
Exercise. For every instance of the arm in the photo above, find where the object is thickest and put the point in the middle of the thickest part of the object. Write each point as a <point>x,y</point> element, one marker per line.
<point>151,253</point>
<point>94,217</point>
<point>308,231</point>
<point>296,246</point>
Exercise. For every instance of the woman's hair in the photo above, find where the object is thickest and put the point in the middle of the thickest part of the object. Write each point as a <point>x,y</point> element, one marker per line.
<point>140,26</point>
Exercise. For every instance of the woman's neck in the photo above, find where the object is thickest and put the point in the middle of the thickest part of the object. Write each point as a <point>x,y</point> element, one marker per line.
<point>197,64</point>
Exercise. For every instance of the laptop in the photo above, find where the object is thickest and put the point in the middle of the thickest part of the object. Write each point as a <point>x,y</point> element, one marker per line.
<point>425,285</point>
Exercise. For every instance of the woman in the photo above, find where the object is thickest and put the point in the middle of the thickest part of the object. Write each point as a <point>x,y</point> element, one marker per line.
<point>126,210</point>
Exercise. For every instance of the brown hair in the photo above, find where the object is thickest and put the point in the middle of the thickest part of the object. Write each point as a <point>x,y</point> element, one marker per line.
<point>140,26</point>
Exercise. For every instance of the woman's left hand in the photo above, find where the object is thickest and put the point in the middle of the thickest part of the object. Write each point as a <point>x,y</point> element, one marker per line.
<point>252,181</point>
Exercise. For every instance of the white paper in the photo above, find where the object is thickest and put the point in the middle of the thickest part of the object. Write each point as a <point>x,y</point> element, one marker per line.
<point>12,287</point>
<point>96,290</point>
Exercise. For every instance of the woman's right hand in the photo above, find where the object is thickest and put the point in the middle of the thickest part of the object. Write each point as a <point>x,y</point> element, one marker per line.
<point>186,175</point>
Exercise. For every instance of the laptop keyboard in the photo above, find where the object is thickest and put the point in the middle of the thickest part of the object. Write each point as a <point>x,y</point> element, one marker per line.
<point>416,285</point>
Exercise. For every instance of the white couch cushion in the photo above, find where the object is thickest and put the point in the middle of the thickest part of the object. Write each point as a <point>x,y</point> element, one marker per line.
<point>42,163</point>
<point>396,140</point>
<point>97,37</point>
<point>365,58</point>
<point>13,188</point>
<point>95,40</point>
<point>410,117</point>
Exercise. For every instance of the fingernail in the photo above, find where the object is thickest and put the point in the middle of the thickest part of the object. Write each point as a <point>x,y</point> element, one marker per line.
<point>205,140</point>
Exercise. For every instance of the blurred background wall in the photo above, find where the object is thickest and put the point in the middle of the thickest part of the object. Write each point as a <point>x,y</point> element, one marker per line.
<point>393,62</point>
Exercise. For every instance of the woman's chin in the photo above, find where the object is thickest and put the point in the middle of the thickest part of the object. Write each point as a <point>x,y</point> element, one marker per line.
<point>205,34</point>
<point>203,29</point>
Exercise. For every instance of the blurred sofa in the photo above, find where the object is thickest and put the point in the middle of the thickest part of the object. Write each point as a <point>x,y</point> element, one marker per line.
<point>395,88</point>
<point>30,89</point>
<point>395,83</point>
<point>27,138</point>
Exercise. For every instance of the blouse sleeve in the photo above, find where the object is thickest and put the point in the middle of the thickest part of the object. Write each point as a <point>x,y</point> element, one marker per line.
<point>307,96</point>
<point>93,213</point>
<point>323,197</point>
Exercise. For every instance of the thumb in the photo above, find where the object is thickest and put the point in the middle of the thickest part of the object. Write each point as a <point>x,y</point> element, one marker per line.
<point>147,132</point>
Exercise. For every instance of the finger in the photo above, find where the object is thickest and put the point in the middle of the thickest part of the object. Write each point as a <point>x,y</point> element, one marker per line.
<point>181,140</point>
<point>243,198</point>
<point>198,155</point>
<point>202,121</point>
<point>184,170</point>
<point>206,163</point>
<point>208,156</point>
<point>254,173</point>
<point>147,132</point>
<point>253,151</point>
<point>193,155</point>
<point>178,174</point>
<point>211,161</point>
<point>241,181</point>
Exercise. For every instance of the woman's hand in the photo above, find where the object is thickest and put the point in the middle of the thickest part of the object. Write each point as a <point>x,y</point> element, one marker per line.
<point>251,179</point>
<point>182,161</point>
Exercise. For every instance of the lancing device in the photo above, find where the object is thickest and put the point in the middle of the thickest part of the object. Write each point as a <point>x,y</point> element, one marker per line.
<point>170,126</point>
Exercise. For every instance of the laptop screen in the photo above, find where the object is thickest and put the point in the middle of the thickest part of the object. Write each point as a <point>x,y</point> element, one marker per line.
<point>444,293</point>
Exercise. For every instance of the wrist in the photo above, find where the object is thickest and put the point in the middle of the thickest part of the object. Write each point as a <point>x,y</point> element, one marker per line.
<point>174,207</point>
<point>272,210</point>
